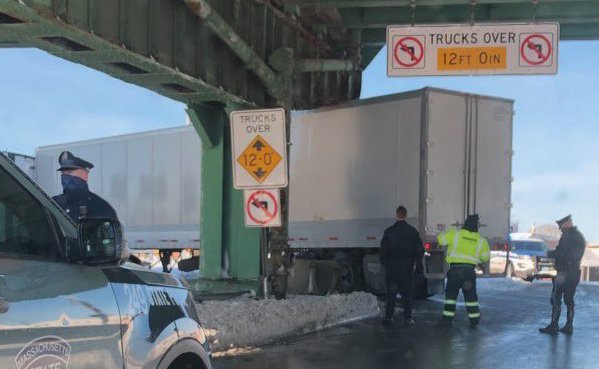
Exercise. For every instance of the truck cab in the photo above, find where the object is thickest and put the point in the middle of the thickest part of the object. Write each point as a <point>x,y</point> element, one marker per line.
<point>69,299</point>
<point>528,258</point>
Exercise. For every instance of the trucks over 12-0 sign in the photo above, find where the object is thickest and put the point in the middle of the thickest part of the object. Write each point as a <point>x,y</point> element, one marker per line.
<point>259,148</point>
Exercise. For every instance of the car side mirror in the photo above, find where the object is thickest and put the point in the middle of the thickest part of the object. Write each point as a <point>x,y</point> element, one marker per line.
<point>100,241</point>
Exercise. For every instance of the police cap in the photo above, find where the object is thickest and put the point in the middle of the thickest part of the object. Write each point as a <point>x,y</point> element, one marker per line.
<point>565,219</point>
<point>67,160</point>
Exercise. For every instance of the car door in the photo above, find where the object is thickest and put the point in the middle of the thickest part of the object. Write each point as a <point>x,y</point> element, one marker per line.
<point>53,314</point>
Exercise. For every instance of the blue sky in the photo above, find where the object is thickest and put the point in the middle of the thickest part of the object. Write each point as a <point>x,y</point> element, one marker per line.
<point>556,127</point>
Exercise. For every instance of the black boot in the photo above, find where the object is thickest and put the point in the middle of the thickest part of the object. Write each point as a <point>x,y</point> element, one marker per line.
<point>553,327</point>
<point>408,322</point>
<point>568,328</point>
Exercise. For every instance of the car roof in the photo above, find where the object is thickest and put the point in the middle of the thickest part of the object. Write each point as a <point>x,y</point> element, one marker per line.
<point>524,237</point>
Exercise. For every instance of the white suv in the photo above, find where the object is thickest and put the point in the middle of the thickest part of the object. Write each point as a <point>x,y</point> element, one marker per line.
<point>528,259</point>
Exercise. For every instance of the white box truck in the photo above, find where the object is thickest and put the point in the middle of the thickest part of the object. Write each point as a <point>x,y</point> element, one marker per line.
<point>152,179</point>
<point>441,154</point>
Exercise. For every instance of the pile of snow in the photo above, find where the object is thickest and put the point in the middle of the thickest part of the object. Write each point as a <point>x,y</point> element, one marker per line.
<point>246,322</point>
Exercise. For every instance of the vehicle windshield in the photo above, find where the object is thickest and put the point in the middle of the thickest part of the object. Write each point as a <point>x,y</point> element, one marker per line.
<point>528,246</point>
<point>24,227</point>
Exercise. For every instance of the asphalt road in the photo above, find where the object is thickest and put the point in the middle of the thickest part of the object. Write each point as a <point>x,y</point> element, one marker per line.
<point>508,338</point>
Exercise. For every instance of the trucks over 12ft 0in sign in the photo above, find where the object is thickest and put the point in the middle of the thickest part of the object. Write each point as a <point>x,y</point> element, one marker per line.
<point>472,49</point>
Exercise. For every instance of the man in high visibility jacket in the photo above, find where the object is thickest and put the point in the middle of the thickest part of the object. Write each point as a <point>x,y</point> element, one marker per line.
<point>466,249</point>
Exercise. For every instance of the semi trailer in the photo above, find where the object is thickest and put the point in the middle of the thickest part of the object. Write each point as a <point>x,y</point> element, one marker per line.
<point>152,179</point>
<point>442,154</point>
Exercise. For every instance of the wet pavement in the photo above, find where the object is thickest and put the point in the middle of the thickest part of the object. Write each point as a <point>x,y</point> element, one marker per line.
<point>508,338</point>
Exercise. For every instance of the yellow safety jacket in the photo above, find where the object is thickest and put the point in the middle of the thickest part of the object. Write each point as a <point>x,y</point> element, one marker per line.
<point>464,247</point>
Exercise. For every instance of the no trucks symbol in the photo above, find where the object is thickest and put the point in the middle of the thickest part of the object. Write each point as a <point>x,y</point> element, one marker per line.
<point>536,50</point>
<point>408,52</point>
<point>262,208</point>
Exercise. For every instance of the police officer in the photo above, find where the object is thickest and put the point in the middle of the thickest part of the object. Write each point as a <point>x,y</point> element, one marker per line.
<point>466,249</point>
<point>567,255</point>
<point>401,249</point>
<point>76,196</point>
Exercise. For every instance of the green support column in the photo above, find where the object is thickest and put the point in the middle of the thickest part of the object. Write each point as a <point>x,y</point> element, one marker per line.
<point>223,234</point>
<point>208,122</point>
<point>242,243</point>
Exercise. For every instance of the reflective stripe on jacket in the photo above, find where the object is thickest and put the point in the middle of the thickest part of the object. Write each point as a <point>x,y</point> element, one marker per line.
<point>464,246</point>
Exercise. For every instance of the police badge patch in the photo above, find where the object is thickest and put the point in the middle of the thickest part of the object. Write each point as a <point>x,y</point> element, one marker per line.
<point>50,352</point>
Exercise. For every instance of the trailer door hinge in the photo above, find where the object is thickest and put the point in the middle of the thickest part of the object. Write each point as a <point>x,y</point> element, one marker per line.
<point>430,172</point>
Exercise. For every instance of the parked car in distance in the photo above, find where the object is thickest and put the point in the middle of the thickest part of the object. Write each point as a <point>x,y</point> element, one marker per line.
<point>527,258</point>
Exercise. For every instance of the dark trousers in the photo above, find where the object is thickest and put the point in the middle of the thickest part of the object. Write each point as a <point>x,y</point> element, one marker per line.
<point>564,285</point>
<point>461,276</point>
<point>400,278</point>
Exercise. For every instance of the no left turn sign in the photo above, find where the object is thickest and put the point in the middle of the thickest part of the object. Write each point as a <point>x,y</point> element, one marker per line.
<point>536,49</point>
<point>262,208</point>
<point>408,52</point>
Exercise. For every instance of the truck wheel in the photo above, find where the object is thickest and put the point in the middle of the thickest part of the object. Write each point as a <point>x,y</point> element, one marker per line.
<point>509,272</point>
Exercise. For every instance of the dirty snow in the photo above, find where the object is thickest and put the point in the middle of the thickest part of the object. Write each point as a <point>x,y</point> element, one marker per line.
<point>245,322</point>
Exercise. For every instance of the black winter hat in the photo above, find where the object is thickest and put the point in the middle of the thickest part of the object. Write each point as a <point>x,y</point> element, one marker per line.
<point>471,223</point>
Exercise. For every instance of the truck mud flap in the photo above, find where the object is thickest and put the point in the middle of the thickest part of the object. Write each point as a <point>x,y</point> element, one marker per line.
<point>313,277</point>
<point>435,266</point>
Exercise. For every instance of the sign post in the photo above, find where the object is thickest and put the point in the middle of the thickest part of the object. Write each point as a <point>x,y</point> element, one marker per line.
<point>434,50</point>
<point>259,153</point>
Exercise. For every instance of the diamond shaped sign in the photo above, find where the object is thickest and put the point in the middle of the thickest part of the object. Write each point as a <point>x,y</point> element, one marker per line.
<point>259,159</point>
<point>259,148</point>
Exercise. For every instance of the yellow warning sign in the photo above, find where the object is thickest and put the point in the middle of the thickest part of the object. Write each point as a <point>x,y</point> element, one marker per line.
<point>471,58</point>
<point>259,159</point>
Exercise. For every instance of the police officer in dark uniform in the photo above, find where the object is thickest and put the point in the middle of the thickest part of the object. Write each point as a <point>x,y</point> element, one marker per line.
<point>76,196</point>
<point>401,249</point>
<point>567,255</point>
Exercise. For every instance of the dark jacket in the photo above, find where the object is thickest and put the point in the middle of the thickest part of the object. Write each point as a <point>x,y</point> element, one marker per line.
<point>401,244</point>
<point>569,250</point>
<point>97,207</point>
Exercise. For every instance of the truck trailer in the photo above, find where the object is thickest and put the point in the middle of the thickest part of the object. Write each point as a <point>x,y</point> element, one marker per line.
<point>152,179</point>
<point>442,154</point>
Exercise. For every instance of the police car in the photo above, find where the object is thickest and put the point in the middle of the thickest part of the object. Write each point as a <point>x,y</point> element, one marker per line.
<point>69,300</point>
<point>528,258</point>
